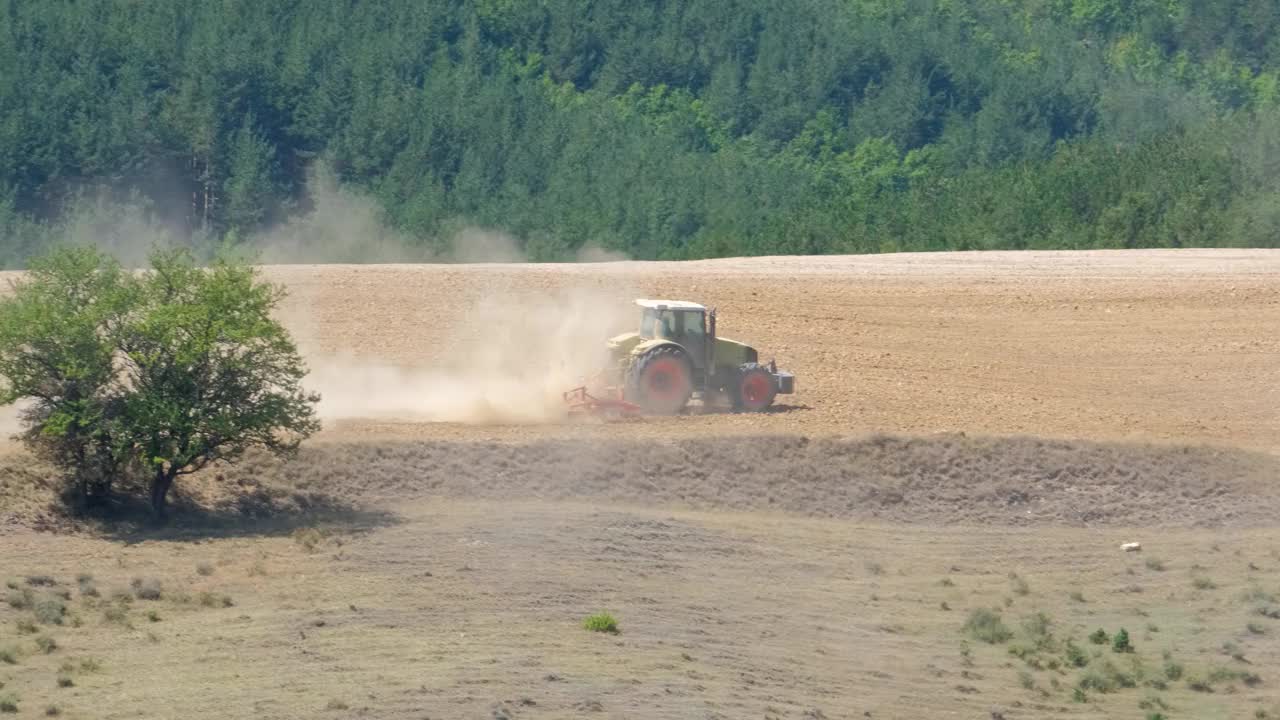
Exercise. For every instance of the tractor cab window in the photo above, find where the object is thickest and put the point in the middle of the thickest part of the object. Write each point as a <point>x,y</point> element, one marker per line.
<point>658,324</point>
<point>692,324</point>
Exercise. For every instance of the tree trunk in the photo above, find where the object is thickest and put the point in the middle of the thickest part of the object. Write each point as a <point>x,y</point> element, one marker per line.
<point>159,489</point>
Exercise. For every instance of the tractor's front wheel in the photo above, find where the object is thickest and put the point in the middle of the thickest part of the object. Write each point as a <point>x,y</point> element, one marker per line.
<point>661,381</point>
<point>755,389</point>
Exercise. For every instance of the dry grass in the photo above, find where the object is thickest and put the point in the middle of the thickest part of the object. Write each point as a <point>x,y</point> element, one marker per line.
<point>480,620</point>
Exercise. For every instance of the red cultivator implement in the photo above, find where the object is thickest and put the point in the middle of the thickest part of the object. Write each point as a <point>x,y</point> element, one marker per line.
<point>609,404</point>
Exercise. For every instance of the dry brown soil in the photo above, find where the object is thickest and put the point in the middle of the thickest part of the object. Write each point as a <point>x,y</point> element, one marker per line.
<point>971,431</point>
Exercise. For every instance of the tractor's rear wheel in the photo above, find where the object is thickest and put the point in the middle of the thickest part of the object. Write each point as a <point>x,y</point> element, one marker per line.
<point>755,389</point>
<point>661,381</point>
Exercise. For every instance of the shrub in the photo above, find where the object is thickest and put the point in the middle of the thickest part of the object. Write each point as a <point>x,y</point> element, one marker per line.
<point>18,599</point>
<point>116,614</point>
<point>8,703</point>
<point>1077,596</point>
<point>1155,564</point>
<point>1075,656</point>
<point>46,644</point>
<point>985,625</point>
<point>1020,586</point>
<point>65,681</point>
<point>213,600</point>
<point>49,610</point>
<point>146,588</point>
<point>1203,583</point>
<point>26,627</point>
<point>601,622</point>
<point>153,616</point>
<point>9,655</point>
<point>1173,670</point>
<point>308,538</point>
<point>205,569</point>
<point>86,585</point>
<point>336,704</point>
<point>1256,628</point>
<point>1098,637</point>
<point>1120,643</point>
<point>52,711</point>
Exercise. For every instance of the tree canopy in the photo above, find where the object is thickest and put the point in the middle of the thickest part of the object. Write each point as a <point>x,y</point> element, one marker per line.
<point>671,129</point>
<point>157,373</point>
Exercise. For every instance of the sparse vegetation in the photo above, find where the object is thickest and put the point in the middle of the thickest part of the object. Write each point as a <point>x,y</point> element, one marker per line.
<point>9,655</point>
<point>214,600</point>
<point>204,569</point>
<point>336,704</point>
<point>947,582</point>
<point>601,622</point>
<point>1202,582</point>
<point>1173,670</point>
<point>1026,680</point>
<point>986,625</point>
<point>46,644</point>
<point>116,614</point>
<point>52,711</point>
<point>1075,656</point>
<point>1156,564</point>
<point>147,588</point>
<point>8,703</point>
<point>1020,586</point>
<point>1255,628</point>
<point>1077,596</point>
<point>309,538</point>
<point>1099,637</point>
<point>65,681</point>
<point>26,627</point>
<point>153,616</point>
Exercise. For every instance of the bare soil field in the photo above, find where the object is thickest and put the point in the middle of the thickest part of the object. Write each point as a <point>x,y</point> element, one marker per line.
<point>930,527</point>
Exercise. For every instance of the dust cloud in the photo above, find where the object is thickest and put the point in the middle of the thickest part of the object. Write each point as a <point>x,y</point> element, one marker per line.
<point>508,359</point>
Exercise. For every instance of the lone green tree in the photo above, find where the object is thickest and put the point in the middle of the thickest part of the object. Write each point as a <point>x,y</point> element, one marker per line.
<point>160,373</point>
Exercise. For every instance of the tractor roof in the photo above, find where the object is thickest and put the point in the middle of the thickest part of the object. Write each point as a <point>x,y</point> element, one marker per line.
<point>669,304</point>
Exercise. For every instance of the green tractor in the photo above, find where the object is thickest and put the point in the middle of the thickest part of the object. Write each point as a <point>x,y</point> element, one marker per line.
<point>677,354</point>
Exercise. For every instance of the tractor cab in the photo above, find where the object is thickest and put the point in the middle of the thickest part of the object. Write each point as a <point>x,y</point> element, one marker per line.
<point>681,322</point>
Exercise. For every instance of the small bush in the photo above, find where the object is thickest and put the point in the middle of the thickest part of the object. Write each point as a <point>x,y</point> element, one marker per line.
<point>8,703</point>
<point>1155,564</point>
<point>947,582</point>
<point>204,569</point>
<point>1201,685</point>
<point>52,711</point>
<point>1173,670</point>
<point>49,610</point>
<point>601,622</point>
<point>1020,586</point>
<point>336,704</point>
<point>87,587</point>
<point>1026,680</point>
<point>46,644</point>
<point>41,581</point>
<point>9,655</point>
<point>1120,643</point>
<point>147,588</point>
<point>1075,656</point>
<point>1203,583</point>
<point>1078,695</point>
<point>214,600</point>
<point>19,599</point>
<point>1037,629</point>
<point>1156,716</point>
<point>875,568</point>
<point>26,627</point>
<point>116,614</point>
<point>65,681</point>
<point>1268,611</point>
<point>1077,596</point>
<point>153,616</point>
<point>1257,595</point>
<point>985,625</point>
<point>90,665</point>
<point>122,596</point>
<point>1256,628</point>
<point>1099,637</point>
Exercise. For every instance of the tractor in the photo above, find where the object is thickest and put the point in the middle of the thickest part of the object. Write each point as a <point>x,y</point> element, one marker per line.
<point>676,355</point>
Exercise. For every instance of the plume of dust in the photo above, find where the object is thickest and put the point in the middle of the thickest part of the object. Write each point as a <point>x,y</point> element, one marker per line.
<point>509,361</point>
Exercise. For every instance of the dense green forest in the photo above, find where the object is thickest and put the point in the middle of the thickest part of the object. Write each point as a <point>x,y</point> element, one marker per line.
<point>660,129</point>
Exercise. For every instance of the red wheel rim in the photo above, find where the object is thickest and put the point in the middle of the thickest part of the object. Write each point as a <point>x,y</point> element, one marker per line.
<point>755,390</point>
<point>665,379</point>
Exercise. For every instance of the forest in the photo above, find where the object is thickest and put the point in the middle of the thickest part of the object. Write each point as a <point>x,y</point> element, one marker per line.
<point>666,129</point>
